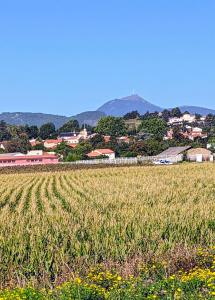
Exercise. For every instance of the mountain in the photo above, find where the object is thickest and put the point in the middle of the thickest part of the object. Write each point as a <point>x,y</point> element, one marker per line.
<point>119,107</point>
<point>89,117</point>
<point>197,110</point>
<point>23,118</point>
<point>116,107</point>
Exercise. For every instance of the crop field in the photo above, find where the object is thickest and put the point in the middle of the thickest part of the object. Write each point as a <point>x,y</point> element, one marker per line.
<point>56,224</point>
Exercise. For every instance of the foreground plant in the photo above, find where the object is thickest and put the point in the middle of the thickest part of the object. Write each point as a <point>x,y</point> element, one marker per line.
<point>151,283</point>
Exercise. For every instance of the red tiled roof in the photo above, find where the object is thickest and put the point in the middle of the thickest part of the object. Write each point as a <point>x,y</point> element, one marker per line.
<point>57,141</point>
<point>72,145</point>
<point>99,152</point>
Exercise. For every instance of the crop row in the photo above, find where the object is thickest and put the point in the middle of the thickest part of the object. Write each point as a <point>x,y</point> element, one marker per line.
<point>54,223</point>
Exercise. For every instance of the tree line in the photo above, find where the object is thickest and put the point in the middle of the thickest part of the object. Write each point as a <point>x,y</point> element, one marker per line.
<point>147,139</point>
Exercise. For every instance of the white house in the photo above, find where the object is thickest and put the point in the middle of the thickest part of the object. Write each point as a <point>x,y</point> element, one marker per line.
<point>185,118</point>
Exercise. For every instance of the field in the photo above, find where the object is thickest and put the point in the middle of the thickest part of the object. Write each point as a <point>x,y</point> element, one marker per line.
<point>56,226</point>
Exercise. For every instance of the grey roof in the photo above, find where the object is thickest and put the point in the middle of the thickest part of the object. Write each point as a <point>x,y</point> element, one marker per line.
<point>173,151</point>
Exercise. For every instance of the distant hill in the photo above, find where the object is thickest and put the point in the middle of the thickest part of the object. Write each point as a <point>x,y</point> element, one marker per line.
<point>89,117</point>
<point>119,107</point>
<point>23,118</point>
<point>197,110</point>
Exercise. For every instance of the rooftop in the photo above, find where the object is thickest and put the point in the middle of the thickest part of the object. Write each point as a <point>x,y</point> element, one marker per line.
<point>173,151</point>
<point>99,152</point>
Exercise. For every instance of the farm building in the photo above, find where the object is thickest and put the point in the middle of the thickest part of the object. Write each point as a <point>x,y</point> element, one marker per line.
<point>199,154</point>
<point>32,158</point>
<point>174,154</point>
<point>102,152</point>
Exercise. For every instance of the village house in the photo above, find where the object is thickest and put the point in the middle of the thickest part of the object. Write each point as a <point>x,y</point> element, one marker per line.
<point>185,118</point>
<point>199,155</point>
<point>192,133</point>
<point>123,139</point>
<point>72,140</point>
<point>34,157</point>
<point>52,144</point>
<point>34,142</point>
<point>74,137</point>
<point>67,135</point>
<point>102,152</point>
<point>169,135</point>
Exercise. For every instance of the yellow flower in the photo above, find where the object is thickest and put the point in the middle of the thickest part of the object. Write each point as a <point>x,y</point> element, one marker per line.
<point>119,278</point>
<point>78,280</point>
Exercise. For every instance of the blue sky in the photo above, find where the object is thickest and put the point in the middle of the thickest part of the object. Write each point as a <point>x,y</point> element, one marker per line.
<point>65,57</point>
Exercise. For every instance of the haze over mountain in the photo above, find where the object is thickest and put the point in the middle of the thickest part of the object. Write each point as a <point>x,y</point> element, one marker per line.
<point>116,107</point>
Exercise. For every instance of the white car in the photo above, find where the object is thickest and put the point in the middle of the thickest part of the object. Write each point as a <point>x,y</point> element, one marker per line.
<point>162,162</point>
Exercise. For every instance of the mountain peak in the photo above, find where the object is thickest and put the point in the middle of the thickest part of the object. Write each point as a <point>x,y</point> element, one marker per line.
<point>133,97</point>
<point>119,107</point>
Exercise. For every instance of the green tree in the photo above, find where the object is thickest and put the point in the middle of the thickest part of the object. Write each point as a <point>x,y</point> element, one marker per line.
<point>31,131</point>
<point>47,130</point>
<point>155,126</point>
<point>97,141</point>
<point>63,149</point>
<point>176,112</point>
<point>19,144</point>
<point>166,115</point>
<point>4,133</point>
<point>73,156</point>
<point>70,126</point>
<point>83,148</point>
<point>113,126</point>
<point>79,152</point>
<point>131,115</point>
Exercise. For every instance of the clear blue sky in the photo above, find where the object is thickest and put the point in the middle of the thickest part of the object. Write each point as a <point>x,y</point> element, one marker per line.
<point>70,56</point>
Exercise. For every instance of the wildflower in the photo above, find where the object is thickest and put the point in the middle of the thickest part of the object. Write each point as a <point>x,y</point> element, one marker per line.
<point>78,280</point>
<point>119,278</point>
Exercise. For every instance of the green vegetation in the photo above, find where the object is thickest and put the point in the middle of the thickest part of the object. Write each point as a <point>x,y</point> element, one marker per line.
<point>112,126</point>
<point>152,282</point>
<point>155,126</point>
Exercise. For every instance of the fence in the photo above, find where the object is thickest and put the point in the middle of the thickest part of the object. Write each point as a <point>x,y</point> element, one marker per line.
<point>128,160</point>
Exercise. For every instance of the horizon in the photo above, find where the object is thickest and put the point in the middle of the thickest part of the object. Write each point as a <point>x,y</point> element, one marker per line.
<point>162,107</point>
<point>66,58</point>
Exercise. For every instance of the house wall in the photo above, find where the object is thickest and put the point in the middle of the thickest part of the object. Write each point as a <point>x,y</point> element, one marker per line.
<point>50,145</point>
<point>24,162</point>
<point>111,156</point>
<point>193,157</point>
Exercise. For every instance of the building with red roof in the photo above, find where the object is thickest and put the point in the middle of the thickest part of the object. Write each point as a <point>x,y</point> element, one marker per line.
<point>102,152</point>
<point>51,144</point>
